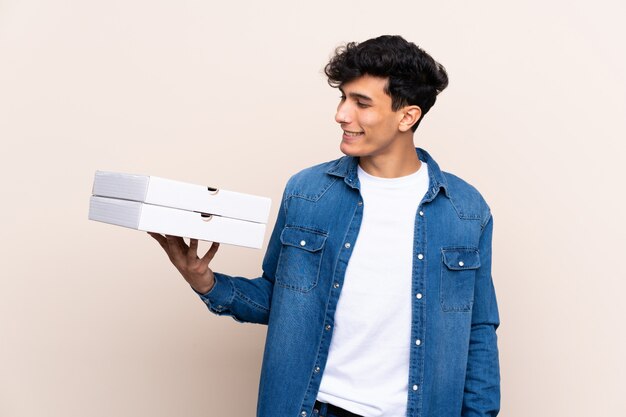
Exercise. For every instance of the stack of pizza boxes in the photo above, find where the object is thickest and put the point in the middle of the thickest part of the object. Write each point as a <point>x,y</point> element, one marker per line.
<point>177,208</point>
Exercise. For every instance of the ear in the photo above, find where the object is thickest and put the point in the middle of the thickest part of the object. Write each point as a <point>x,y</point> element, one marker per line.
<point>410,116</point>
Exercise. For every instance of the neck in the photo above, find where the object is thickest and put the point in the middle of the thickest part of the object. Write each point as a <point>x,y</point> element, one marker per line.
<point>401,162</point>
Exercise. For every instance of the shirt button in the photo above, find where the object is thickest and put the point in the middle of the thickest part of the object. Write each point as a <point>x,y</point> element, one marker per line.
<point>327,327</point>
<point>418,342</point>
<point>347,245</point>
<point>415,387</point>
<point>421,213</point>
<point>302,242</point>
<point>461,263</point>
<point>418,295</point>
<point>360,203</point>
<point>336,285</point>
<point>303,414</point>
<point>420,256</point>
<point>317,369</point>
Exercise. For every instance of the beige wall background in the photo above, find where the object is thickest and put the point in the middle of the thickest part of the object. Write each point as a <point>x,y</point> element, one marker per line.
<point>94,321</point>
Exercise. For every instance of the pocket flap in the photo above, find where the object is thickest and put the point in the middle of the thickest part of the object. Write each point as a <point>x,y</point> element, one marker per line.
<point>306,239</point>
<point>458,259</point>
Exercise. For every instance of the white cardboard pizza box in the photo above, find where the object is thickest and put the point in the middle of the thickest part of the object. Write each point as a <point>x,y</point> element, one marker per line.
<point>176,222</point>
<point>181,195</point>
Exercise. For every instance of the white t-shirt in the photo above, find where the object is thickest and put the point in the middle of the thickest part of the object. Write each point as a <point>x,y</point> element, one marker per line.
<point>367,370</point>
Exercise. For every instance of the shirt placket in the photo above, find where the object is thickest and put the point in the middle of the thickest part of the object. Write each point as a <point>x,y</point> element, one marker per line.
<point>334,293</point>
<point>418,310</point>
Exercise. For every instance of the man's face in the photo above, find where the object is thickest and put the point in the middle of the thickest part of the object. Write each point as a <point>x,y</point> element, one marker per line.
<point>370,126</point>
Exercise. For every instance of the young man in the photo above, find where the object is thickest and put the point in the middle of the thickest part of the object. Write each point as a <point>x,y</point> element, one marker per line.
<point>376,284</point>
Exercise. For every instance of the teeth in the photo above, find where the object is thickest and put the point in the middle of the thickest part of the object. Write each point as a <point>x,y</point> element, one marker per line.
<point>352,133</point>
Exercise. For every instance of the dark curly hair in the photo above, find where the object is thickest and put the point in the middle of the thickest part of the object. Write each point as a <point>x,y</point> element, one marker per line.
<point>414,77</point>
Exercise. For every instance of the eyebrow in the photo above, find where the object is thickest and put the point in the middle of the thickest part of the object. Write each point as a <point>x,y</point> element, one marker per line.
<point>357,95</point>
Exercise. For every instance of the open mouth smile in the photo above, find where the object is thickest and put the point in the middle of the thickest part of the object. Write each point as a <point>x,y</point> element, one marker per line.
<point>352,134</point>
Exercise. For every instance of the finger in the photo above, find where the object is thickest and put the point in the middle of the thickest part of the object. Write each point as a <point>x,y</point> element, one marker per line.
<point>176,251</point>
<point>206,259</point>
<point>178,241</point>
<point>192,253</point>
<point>159,238</point>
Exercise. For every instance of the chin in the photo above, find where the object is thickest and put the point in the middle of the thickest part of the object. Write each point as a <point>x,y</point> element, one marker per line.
<point>350,150</point>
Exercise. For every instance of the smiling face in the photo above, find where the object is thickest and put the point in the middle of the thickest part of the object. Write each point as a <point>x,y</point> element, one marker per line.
<point>371,129</point>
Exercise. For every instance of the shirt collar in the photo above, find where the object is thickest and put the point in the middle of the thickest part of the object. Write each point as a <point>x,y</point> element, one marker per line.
<point>346,168</point>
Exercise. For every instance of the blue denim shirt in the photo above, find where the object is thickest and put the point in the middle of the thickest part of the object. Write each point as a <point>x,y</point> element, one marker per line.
<point>453,372</point>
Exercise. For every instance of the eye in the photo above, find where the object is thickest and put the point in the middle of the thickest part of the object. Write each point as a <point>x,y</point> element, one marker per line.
<point>362,105</point>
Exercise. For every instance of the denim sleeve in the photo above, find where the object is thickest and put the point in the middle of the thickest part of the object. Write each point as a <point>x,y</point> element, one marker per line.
<point>248,300</point>
<point>482,382</point>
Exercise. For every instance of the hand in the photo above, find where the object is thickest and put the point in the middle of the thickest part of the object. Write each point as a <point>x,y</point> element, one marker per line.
<point>185,258</point>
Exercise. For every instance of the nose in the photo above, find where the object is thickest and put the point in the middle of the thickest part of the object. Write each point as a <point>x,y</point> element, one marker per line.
<point>342,115</point>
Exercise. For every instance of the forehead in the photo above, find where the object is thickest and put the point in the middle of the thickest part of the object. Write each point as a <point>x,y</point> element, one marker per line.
<point>367,85</point>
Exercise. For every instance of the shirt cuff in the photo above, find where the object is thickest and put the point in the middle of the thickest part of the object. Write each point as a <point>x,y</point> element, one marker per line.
<point>220,297</point>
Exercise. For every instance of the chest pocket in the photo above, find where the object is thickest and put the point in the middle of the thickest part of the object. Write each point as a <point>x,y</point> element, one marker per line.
<point>300,258</point>
<point>458,274</point>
